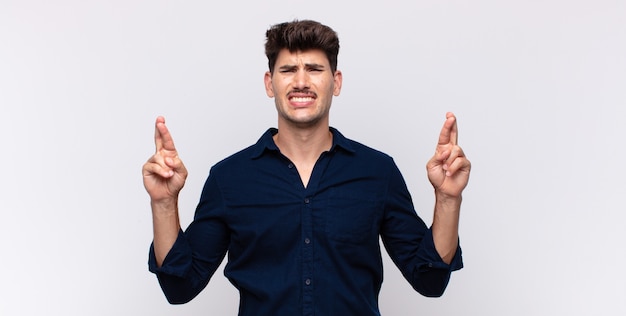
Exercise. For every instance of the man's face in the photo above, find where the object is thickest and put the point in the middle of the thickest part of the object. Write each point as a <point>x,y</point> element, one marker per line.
<point>302,85</point>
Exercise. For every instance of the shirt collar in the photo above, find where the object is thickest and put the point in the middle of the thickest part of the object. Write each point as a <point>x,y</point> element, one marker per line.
<point>266,142</point>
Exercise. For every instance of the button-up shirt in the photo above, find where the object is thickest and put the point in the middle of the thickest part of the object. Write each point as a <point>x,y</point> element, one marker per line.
<point>304,250</point>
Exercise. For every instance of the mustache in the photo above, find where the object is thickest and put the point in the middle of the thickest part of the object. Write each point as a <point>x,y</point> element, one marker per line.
<point>302,91</point>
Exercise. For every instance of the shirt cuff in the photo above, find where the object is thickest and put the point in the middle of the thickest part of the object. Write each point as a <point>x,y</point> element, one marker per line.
<point>432,260</point>
<point>177,261</point>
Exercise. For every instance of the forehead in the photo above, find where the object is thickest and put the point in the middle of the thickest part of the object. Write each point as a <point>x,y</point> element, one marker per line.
<point>313,56</point>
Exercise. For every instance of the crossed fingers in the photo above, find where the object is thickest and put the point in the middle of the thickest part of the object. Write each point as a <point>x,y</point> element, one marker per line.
<point>163,162</point>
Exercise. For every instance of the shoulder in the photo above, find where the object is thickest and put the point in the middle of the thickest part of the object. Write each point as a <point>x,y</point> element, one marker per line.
<point>236,159</point>
<point>357,148</point>
<point>253,152</point>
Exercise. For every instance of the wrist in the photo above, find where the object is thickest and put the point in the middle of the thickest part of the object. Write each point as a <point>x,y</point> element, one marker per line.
<point>164,206</point>
<point>444,197</point>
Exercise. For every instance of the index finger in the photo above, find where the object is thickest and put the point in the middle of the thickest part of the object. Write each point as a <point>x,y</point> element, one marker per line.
<point>162,137</point>
<point>449,131</point>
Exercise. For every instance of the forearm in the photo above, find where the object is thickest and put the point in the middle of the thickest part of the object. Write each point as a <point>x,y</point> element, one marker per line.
<point>445,228</point>
<point>165,225</point>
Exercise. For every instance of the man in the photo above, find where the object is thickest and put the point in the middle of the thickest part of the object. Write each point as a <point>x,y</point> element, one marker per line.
<point>301,211</point>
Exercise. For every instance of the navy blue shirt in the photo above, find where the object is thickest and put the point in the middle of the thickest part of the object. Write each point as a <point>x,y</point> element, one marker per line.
<point>296,250</point>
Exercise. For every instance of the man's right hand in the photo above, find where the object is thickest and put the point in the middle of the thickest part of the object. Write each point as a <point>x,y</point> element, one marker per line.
<point>164,174</point>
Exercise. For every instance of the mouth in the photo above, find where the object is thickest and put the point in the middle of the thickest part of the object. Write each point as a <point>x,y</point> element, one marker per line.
<point>301,97</point>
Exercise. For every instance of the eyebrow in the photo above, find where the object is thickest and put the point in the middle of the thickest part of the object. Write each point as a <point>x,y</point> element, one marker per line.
<point>309,66</point>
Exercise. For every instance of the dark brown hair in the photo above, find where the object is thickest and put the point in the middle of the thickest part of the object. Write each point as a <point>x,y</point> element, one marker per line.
<point>301,36</point>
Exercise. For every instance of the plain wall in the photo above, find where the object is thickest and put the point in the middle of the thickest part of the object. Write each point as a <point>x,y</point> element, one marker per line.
<point>539,89</point>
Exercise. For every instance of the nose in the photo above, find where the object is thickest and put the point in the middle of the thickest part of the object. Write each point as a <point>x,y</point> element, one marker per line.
<point>301,79</point>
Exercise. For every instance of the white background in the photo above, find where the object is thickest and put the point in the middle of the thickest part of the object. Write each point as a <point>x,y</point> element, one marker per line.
<point>539,88</point>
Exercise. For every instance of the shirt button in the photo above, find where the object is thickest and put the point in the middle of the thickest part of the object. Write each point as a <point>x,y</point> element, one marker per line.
<point>307,281</point>
<point>290,166</point>
<point>307,241</point>
<point>306,200</point>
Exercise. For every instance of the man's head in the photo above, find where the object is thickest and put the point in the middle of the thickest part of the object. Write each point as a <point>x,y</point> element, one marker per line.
<point>301,36</point>
<point>303,75</point>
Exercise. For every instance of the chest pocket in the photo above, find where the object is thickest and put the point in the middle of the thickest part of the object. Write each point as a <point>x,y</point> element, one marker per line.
<point>353,216</point>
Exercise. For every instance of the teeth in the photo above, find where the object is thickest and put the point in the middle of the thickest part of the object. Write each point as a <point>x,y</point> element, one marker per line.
<point>301,99</point>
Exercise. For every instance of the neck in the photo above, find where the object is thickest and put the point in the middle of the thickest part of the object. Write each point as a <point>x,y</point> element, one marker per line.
<point>303,145</point>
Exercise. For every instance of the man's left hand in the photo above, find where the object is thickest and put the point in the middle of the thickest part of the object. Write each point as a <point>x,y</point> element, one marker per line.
<point>449,169</point>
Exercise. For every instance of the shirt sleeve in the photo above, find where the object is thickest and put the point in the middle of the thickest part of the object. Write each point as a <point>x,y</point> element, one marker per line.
<point>197,252</point>
<point>177,261</point>
<point>410,244</point>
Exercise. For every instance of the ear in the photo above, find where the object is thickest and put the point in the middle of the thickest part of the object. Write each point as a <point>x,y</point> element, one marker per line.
<point>338,78</point>
<point>269,89</point>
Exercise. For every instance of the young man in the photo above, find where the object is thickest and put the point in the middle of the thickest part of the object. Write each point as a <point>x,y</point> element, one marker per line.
<point>301,211</point>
